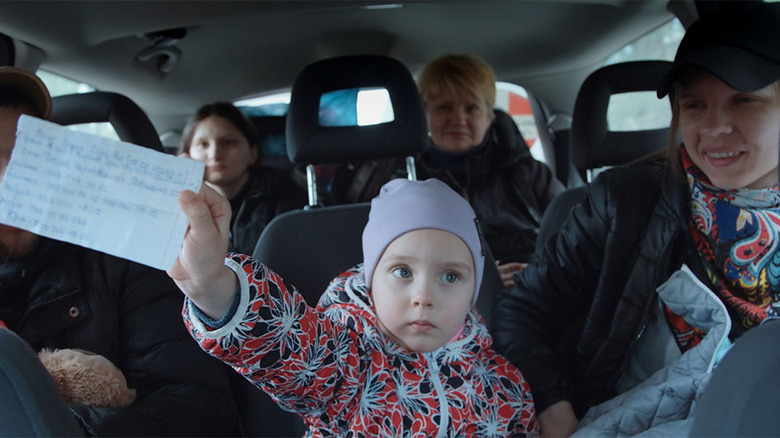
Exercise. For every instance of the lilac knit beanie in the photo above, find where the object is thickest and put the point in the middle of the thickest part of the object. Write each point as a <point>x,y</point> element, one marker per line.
<point>404,206</point>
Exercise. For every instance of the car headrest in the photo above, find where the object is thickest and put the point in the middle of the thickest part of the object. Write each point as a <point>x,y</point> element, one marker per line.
<point>310,143</point>
<point>6,50</point>
<point>127,118</point>
<point>507,131</point>
<point>593,145</point>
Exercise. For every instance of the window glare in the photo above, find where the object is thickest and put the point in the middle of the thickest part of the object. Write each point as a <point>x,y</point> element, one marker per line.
<point>355,107</point>
<point>659,44</point>
<point>637,111</point>
<point>103,129</point>
<point>373,107</point>
<point>60,85</point>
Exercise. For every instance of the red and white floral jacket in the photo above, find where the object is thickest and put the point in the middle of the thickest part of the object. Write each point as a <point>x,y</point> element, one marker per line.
<point>335,368</point>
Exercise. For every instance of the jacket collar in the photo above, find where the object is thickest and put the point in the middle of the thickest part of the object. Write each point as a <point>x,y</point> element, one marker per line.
<point>675,194</point>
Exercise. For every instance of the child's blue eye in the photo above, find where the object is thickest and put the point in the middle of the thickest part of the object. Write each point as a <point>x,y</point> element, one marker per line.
<point>450,277</point>
<point>402,272</point>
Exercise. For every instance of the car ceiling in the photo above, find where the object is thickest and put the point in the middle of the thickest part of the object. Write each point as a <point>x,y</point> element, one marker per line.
<point>237,49</point>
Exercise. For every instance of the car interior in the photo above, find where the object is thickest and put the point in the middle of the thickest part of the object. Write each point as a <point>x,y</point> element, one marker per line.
<point>125,116</point>
<point>593,145</point>
<point>146,66</point>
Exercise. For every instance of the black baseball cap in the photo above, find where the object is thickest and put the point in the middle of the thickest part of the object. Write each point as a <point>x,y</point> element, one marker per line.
<point>739,44</point>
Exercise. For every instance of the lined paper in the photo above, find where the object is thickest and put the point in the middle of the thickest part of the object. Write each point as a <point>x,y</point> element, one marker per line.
<point>111,196</point>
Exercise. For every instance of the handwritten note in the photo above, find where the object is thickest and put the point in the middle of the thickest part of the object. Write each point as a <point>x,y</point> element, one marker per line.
<point>110,196</point>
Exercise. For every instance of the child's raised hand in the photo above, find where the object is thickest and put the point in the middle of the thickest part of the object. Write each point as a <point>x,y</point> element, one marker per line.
<point>200,271</point>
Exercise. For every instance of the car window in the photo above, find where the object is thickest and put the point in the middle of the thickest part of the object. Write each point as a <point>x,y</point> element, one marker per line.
<point>271,105</point>
<point>643,110</point>
<point>60,86</point>
<point>513,99</point>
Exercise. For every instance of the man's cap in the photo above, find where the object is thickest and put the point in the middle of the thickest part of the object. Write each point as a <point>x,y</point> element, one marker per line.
<point>31,85</point>
<point>739,44</point>
<point>403,206</point>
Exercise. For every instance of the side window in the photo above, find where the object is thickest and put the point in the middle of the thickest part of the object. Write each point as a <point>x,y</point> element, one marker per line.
<point>60,86</point>
<point>514,100</point>
<point>635,111</point>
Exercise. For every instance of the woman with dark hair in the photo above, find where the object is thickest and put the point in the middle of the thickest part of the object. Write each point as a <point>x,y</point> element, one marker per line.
<point>222,137</point>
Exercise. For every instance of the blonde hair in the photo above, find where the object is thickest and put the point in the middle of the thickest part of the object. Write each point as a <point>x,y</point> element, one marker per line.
<point>458,74</point>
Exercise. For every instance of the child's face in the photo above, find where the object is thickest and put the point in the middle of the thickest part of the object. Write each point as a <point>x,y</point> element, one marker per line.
<point>422,288</point>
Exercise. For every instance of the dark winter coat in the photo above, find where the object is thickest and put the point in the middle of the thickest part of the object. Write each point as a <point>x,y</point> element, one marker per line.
<point>572,320</point>
<point>67,296</point>
<point>508,189</point>
<point>267,194</point>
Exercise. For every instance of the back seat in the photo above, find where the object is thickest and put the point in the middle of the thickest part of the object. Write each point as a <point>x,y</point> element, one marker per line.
<point>309,247</point>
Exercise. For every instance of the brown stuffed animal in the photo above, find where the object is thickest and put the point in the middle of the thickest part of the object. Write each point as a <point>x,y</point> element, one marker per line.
<point>87,378</point>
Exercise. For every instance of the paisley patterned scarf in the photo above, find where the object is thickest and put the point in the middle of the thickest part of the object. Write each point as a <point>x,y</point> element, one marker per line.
<point>736,234</point>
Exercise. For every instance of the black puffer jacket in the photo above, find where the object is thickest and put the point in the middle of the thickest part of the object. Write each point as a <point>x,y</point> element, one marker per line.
<point>572,319</point>
<point>267,194</point>
<point>508,189</point>
<point>131,314</point>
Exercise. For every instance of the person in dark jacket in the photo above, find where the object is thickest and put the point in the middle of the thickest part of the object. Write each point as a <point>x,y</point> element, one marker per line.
<point>221,136</point>
<point>587,323</point>
<point>478,152</point>
<point>56,295</point>
<point>493,169</point>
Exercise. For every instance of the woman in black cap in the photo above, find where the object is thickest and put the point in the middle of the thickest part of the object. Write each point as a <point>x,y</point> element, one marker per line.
<point>619,325</point>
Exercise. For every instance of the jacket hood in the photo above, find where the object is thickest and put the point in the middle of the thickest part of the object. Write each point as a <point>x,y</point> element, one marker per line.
<point>507,146</point>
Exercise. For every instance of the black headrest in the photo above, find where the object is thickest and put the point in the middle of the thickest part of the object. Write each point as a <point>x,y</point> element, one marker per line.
<point>593,145</point>
<point>7,51</point>
<point>506,130</point>
<point>310,143</point>
<point>127,118</point>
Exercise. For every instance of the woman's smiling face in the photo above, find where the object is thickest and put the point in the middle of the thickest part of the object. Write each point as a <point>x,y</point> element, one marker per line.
<point>732,136</point>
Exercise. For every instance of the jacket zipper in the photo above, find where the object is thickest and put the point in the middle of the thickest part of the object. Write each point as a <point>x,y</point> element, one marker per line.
<point>444,409</point>
<point>647,312</point>
<point>723,310</point>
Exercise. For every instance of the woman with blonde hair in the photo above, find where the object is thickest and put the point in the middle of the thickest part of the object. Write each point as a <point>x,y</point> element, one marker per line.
<point>482,158</point>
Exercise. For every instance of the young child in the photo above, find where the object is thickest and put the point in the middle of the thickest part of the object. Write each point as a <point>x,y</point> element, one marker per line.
<point>394,347</point>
